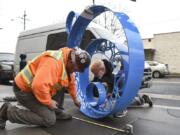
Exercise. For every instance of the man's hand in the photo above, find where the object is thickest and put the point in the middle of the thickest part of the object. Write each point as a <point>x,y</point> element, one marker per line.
<point>105,84</point>
<point>54,105</point>
<point>77,103</point>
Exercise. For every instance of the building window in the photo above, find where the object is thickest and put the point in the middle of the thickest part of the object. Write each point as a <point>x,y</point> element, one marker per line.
<point>149,40</point>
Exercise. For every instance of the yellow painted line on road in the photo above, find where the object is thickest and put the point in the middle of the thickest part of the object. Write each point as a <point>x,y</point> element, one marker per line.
<point>99,124</point>
<point>162,96</point>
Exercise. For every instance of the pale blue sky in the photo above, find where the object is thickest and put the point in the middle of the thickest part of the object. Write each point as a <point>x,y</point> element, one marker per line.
<point>151,16</point>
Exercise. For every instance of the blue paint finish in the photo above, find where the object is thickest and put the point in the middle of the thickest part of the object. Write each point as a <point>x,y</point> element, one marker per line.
<point>94,101</point>
<point>132,59</point>
<point>69,19</point>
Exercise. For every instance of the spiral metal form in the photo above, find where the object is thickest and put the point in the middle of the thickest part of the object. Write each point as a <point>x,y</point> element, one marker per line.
<point>132,57</point>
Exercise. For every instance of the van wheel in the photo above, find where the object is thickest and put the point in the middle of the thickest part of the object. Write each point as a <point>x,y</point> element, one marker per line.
<point>156,74</point>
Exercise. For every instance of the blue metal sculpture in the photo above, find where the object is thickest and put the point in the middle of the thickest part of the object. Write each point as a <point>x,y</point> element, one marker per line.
<point>132,59</point>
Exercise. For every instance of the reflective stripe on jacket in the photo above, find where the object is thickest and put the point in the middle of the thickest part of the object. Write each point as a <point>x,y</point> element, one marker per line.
<point>27,74</point>
<point>46,74</point>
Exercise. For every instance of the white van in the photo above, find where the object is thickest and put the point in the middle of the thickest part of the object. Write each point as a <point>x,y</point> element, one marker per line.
<point>52,37</point>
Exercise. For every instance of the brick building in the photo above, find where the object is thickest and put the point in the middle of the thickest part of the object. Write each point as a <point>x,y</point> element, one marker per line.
<point>165,48</point>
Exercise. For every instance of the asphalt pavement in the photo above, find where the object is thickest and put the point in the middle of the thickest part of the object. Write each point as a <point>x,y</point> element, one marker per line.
<point>163,118</point>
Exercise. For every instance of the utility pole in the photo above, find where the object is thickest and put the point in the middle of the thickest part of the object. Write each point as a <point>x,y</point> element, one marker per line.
<point>93,2</point>
<point>24,19</point>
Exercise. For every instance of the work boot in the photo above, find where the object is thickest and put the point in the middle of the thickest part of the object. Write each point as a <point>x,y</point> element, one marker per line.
<point>148,100</point>
<point>3,115</point>
<point>63,116</point>
<point>60,115</point>
<point>139,101</point>
<point>10,99</point>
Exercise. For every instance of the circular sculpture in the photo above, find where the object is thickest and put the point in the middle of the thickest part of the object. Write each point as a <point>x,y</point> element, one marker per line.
<point>132,58</point>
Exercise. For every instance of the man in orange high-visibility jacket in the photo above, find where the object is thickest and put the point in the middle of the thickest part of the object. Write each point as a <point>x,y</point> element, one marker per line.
<point>39,86</point>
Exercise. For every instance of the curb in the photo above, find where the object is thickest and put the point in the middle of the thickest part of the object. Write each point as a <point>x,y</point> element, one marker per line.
<point>172,76</point>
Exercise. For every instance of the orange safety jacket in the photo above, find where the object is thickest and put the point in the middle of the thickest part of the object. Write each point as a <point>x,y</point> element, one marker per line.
<point>46,74</point>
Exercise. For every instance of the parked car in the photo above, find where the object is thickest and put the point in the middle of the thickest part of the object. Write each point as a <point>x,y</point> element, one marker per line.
<point>147,78</point>
<point>158,69</point>
<point>6,66</point>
